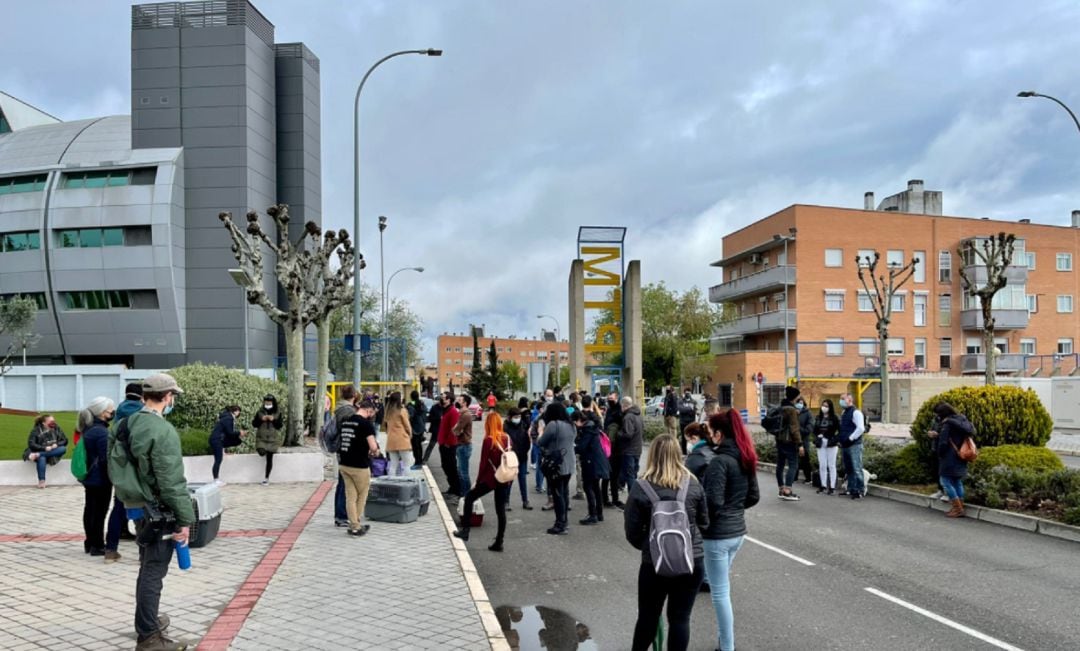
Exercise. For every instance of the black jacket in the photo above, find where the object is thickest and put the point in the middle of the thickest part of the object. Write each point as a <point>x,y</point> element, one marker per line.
<point>826,430</point>
<point>637,516</point>
<point>519,439</point>
<point>632,432</point>
<point>225,429</point>
<point>594,463</point>
<point>806,425</point>
<point>434,417</point>
<point>671,405</point>
<point>698,460</point>
<point>954,430</point>
<point>729,491</point>
<point>95,441</point>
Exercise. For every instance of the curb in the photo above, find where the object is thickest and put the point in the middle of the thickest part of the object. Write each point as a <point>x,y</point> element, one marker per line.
<point>494,631</point>
<point>1030,523</point>
<point>1065,453</point>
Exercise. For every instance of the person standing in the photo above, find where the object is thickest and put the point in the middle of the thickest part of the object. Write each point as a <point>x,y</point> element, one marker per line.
<point>46,445</point>
<point>417,420</point>
<point>346,408</point>
<point>463,433</point>
<point>398,436</point>
<point>434,418</point>
<point>225,434</point>
<point>827,436</point>
<point>730,488</point>
<point>806,436</point>
<point>496,444</point>
<point>96,485</point>
<point>268,423</point>
<point>518,431</point>
<point>593,462</point>
<point>671,412</point>
<point>688,413</point>
<point>448,443</point>
<point>950,431</point>
<point>609,488</point>
<point>631,441</point>
<point>146,466</point>
<point>698,440</point>
<point>359,444</point>
<point>667,479</point>
<point>788,445</point>
<point>852,427</point>
<point>491,400</point>
<point>118,520</point>
<point>557,442</point>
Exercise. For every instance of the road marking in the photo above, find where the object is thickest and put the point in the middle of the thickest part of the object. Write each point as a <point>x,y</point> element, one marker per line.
<point>943,620</point>
<point>781,552</point>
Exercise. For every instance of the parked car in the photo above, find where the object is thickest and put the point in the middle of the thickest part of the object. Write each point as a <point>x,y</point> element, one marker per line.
<point>654,406</point>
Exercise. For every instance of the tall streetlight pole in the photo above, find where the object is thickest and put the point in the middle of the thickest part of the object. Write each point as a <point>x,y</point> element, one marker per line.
<point>1031,93</point>
<point>382,295</point>
<point>386,303</point>
<point>558,340</point>
<point>357,266</point>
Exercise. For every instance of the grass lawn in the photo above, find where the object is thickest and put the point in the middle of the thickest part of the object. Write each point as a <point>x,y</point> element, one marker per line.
<point>14,431</point>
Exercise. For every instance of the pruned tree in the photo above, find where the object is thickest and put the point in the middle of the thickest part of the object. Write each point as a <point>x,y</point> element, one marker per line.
<point>995,254</point>
<point>331,289</point>
<point>17,322</point>
<point>312,288</point>
<point>881,290</point>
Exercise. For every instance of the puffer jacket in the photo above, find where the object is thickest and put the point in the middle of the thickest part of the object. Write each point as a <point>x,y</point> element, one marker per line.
<point>267,433</point>
<point>96,443</point>
<point>637,516</point>
<point>698,460</point>
<point>951,436</point>
<point>594,463</point>
<point>729,491</point>
<point>632,432</point>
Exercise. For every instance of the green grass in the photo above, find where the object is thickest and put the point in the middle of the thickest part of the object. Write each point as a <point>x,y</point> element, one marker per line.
<point>14,431</point>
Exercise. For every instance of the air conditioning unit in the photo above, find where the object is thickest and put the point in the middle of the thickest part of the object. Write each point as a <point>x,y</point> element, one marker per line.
<point>755,258</point>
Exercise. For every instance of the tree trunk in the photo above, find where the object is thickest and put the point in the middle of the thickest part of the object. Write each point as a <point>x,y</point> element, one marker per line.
<point>294,383</point>
<point>883,365</point>
<point>988,342</point>
<point>322,371</point>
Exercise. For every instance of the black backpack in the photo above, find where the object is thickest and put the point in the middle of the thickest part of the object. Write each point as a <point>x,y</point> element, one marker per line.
<point>773,421</point>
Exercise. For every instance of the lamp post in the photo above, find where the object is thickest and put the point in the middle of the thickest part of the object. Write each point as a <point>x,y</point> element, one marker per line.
<point>558,340</point>
<point>386,304</point>
<point>382,294</point>
<point>357,354</point>
<point>1031,93</point>
<point>241,278</point>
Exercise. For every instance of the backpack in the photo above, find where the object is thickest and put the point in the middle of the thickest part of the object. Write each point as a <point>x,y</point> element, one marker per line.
<point>330,437</point>
<point>687,409</point>
<point>671,544</point>
<point>773,421</point>
<point>507,469</point>
<point>605,444</point>
<point>78,461</point>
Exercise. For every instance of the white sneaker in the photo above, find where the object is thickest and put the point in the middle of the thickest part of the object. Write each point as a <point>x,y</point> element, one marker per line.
<point>218,482</point>
<point>936,495</point>
<point>265,482</point>
<point>944,498</point>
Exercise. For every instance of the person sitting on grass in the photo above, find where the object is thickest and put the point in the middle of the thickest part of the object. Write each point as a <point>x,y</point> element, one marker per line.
<point>46,445</point>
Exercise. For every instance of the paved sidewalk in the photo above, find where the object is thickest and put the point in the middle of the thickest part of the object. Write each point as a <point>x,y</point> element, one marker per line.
<point>1067,444</point>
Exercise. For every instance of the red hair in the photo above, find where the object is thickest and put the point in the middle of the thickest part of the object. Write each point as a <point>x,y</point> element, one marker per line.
<point>729,424</point>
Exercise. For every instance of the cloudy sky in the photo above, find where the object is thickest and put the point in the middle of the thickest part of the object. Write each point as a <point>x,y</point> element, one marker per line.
<point>679,120</point>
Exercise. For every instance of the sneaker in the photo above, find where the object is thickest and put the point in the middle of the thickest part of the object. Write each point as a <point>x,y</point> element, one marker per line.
<point>579,496</point>
<point>495,547</point>
<point>547,507</point>
<point>111,556</point>
<point>508,509</point>
<point>856,496</point>
<point>163,622</point>
<point>158,642</point>
<point>41,484</point>
<point>416,467</point>
<point>540,491</point>
<point>462,533</point>
<point>589,520</point>
<point>820,490</point>
<point>936,495</point>
<point>358,532</point>
<point>831,492</point>
<point>265,482</point>
<point>33,456</point>
<point>341,523</point>
<point>97,551</point>
<point>944,498</point>
<point>219,483</point>
<point>532,466</point>
<point>618,505</point>
<point>789,497</point>
<point>526,506</point>
<point>557,531</point>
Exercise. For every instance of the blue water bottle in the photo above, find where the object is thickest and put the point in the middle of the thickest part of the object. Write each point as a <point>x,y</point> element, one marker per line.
<point>183,555</point>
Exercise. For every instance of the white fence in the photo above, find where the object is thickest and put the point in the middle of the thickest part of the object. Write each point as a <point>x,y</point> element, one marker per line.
<point>64,388</point>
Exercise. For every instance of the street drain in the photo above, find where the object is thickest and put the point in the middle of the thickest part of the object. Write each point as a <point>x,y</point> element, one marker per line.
<point>531,628</point>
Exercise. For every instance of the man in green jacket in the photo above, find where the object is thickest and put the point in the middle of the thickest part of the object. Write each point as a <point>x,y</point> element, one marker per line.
<point>147,469</point>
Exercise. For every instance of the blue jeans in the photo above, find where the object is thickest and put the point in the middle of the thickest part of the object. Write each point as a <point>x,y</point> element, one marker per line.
<point>117,523</point>
<point>340,512</point>
<point>463,454</point>
<point>523,483</point>
<point>853,469</point>
<point>954,487</point>
<point>630,465</point>
<point>217,446</point>
<point>534,453</point>
<point>719,556</point>
<point>43,458</point>
<point>787,454</point>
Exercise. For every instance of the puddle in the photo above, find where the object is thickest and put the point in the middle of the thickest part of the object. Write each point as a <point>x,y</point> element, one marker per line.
<point>530,628</point>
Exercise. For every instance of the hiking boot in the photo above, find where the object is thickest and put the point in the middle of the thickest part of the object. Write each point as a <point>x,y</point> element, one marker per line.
<point>547,507</point>
<point>111,556</point>
<point>158,642</point>
<point>957,510</point>
<point>462,533</point>
<point>163,622</point>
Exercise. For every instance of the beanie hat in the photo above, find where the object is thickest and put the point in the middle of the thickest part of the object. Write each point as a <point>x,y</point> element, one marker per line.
<point>100,405</point>
<point>791,392</point>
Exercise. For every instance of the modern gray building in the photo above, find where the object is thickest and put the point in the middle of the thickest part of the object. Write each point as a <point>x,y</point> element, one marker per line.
<point>111,223</point>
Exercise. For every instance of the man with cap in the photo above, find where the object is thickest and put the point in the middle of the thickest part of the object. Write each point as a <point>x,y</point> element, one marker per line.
<point>147,470</point>
<point>788,446</point>
<point>118,518</point>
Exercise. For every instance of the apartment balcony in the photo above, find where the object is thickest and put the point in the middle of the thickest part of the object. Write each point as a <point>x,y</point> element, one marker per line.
<point>1014,274</point>
<point>1003,319</point>
<point>1006,363</point>
<point>761,282</point>
<point>758,323</point>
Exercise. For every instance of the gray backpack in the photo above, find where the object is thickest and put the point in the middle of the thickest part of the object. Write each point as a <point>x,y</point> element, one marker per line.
<point>671,544</point>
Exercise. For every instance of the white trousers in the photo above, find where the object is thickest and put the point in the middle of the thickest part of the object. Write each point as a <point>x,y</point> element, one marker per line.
<point>405,458</point>
<point>827,465</point>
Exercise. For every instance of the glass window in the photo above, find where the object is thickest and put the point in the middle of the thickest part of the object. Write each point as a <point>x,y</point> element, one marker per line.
<point>68,239</point>
<point>834,301</point>
<point>22,184</point>
<point>90,237</point>
<point>1032,303</point>
<point>899,301</point>
<point>1027,346</point>
<point>118,177</point>
<point>945,266</point>
<point>15,242</point>
<point>1064,262</point>
<point>143,176</point>
<point>119,299</point>
<point>77,180</point>
<point>1030,259</point>
<point>895,346</point>
<point>945,353</point>
<point>30,183</point>
<point>945,310</point>
<point>4,126</point>
<point>920,266</point>
<point>894,257</point>
<point>973,346</point>
<point>868,346</point>
<point>5,186</point>
<point>74,301</point>
<point>865,255</point>
<point>865,304</point>
<point>834,346</point>
<point>920,309</point>
<point>1065,346</point>
<point>113,237</point>
<point>96,179</point>
<point>1065,303</point>
<point>834,257</point>
<point>920,353</point>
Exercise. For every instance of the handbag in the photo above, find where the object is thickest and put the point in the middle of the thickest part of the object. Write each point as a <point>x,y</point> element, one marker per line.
<point>379,466</point>
<point>507,469</point>
<point>551,464</point>
<point>967,451</point>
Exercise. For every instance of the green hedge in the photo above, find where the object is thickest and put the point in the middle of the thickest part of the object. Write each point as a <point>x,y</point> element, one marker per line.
<point>195,442</point>
<point>1021,457</point>
<point>895,464</point>
<point>208,389</point>
<point>1054,494</point>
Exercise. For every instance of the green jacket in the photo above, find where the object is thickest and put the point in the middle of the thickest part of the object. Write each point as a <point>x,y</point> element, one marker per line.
<point>158,472</point>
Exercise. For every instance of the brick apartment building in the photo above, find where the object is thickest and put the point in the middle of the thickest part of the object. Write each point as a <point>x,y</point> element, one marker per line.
<point>806,254</point>
<point>456,353</point>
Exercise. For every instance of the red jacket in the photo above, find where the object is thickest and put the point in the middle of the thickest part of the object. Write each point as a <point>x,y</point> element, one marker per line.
<point>446,426</point>
<point>490,458</point>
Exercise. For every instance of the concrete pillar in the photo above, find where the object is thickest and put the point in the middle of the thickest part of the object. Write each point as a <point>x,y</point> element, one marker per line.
<point>576,331</point>
<point>632,373</point>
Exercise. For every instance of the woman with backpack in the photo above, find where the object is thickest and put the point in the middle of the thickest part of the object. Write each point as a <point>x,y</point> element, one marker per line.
<point>594,463</point>
<point>949,432</point>
<point>826,429</point>
<point>496,444</point>
<point>731,487</point>
<point>268,422</point>
<point>669,572</point>
<point>225,435</point>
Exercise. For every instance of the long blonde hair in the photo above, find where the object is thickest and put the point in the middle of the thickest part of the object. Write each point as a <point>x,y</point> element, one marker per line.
<point>664,467</point>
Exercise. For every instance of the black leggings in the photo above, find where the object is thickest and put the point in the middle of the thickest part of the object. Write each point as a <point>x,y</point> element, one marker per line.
<point>269,464</point>
<point>679,592</point>
<point>217,444</point>
<point>501,494</point>
<point>593,496</point>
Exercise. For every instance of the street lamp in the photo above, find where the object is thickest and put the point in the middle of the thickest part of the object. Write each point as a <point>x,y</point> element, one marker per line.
<point>241,278</point>
<point>558,339</point>
<point>382,294</point>
<point>1031,93</point>
<point>357,354</point>
<point>386,304</point>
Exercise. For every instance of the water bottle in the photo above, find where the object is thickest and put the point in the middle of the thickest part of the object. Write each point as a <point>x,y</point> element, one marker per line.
<point>183,555</point>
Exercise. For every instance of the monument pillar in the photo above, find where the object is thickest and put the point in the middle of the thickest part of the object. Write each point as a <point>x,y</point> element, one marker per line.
<point>577,326</point>
<point>632,373</point>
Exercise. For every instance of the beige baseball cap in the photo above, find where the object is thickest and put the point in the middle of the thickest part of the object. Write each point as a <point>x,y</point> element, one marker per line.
<point>160,383</point>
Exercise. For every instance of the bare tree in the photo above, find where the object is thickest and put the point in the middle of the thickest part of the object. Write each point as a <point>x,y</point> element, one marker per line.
<point>332,289</point>
<point>881,290</point>
<point>303,270</point>
<point>17,321</point>
<point>994,255</point>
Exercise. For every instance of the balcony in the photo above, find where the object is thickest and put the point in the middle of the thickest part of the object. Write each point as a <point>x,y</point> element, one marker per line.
<point>1014,274</point>
<point>760,282</point>
<point>1006,363</point>
<point>1003,319</point>
<point>758,323</point>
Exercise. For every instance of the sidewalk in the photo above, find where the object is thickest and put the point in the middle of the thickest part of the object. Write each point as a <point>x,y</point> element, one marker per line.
<point>279,576</point>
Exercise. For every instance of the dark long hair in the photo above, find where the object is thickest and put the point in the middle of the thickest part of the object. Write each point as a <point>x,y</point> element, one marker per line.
<point>556,411</point>
<point>831,416</point>
<point>730,426</point>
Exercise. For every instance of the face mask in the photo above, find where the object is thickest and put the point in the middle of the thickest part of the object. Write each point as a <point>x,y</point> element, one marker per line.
<point>268,406</point>
<point>824,409</point>
<point>800,406</point>
<point>167,410</point>
<point>843,403</point>
<point>515,420</point>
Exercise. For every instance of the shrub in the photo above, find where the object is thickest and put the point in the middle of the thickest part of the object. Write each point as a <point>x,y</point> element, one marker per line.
<point>195,442</point>
<point>1022,457</point>
<point>208,389</point>
<point>653,427</point>
<point>1057,493</point>
<point>896,464</point>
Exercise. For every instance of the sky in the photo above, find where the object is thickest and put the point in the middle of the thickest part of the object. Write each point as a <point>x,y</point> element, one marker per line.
<point>681,121</point>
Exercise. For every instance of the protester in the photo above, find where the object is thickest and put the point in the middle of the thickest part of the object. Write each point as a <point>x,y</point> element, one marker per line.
<point>496,444</point>
<point>631,437</point>
<point>699,444</point>
<point>806,436</point>
<point>665,479</point>
<point>463,432</point>
<point>398,436</point>
<point>609,488</point>
<point>827,436</point>
<point>852,427</point>
<point>593,461</point>
<point>730,488</point>
<point>118,520</point>
<point>359,444</point>
<point>268,422</point>
<point>225,435</point>
<point>534,435</point>
<point>788,446</point>
<point>448,443</point>
<point>949,432</point>
<point>557,442</point>
<point>96,485</point>
<point>585,405</point>
<point>688,413</point>
<point>346,408</point>
<point>518,431</point>
<point>434,418</point>
<point>146,466</point>
<point>671,412</point>
<point>46,445</point>
<point>417,419</point>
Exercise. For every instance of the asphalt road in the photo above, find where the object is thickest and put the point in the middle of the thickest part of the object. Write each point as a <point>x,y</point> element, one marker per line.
<point>939,584</point>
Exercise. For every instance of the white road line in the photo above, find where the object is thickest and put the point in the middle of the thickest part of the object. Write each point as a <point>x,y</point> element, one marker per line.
<point>943,620</point>
<point>781,552</point>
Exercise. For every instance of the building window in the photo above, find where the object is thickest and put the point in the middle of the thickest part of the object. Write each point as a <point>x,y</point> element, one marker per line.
<point>895,346</point>
<point>920,309</point>
<point>834,300</point>
<point>457,349</point>
<point>865,304</point>
<point>100,299</point>
<point>899,301</point>
<point>97,237</point>
<point>834,346</point>
<point>38,297</point>
<point>945,266</point>
<point>1064,262</point>
<point>4,126</point>
<point>1032,303</point>
<point>868,346</point>
<point>448,349</point>
<point>973,346</point>
<point>920,266</point>
<point>1065,346</point>
<point>894,257</point>
<point>834,257</point>
<point>920,353</point>
<point>1027,346</point>
<point>29,183</point>
<point>1064,303</point>
<point>110,178</point>
<point>945,310</point>
<point>945,353</point>
<point>20,241</point>
<point>1029,258</point>
<point>866,256</point>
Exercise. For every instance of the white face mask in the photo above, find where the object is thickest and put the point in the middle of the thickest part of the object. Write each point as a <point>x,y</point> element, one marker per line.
<point>515,420</point>
<point>824,409</point>
<point>268,406</point>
